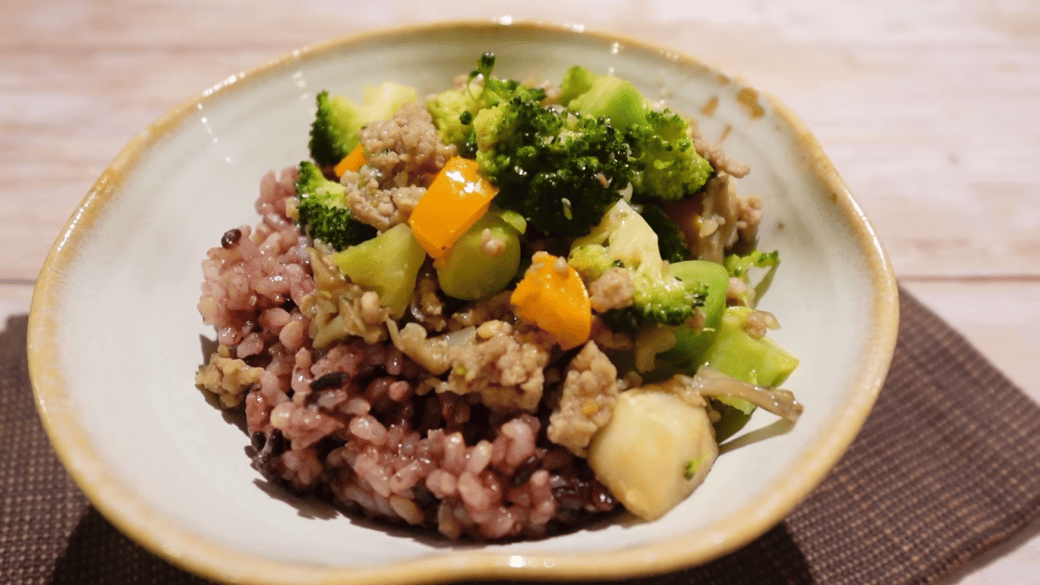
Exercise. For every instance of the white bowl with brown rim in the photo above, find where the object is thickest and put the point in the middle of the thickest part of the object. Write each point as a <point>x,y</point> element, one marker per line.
<point>114,338</point>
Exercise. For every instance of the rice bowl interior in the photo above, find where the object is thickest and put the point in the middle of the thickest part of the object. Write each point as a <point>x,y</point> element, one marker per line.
<point>115,337</point>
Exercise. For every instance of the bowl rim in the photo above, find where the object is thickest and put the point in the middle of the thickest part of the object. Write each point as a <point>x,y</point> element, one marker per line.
<point>164,537</point>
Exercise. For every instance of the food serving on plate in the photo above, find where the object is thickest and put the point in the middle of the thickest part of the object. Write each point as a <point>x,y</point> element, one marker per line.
<point>499,312</point>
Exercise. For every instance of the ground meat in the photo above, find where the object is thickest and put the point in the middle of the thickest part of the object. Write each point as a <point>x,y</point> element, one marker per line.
<point>738,292</point>
<point>226,377</point>
<point>719,160</point>
<point>427,307</point>
<point>378,207</point>
<point>435,354</point>
<point>718,220</point>
<point>341,309</point>
<point>493,307</point>
<point>590,392</point>
<point>749,216</point>
<point>503,367</point>
<point>759,323</point>
<point>612,290</point>
<point>506,369</point>
<point>725,219</point>
<point>404,153</point>
<point>406,149</point>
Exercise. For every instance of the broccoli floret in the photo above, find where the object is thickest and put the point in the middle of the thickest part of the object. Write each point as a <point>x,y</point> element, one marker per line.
<point>667,165</point>
<point>576,81</point>
<point>664,305</point>
<point>592,260</point>
<point>453,119</point>
<point>624,238</point>
<point>323,211</point>
<point>453,110</point>
<point>338,122</point>
<point>670,239</point>
<point>561,171</point>
<point>740,267</point>
<point>333,129</point>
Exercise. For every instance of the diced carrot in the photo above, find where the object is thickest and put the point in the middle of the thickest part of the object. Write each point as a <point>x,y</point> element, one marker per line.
<point>352,162</point>
<point>455,200</point>
<point>552,296</point>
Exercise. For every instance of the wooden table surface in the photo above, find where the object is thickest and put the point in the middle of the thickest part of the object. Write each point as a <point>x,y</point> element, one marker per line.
<point>929,109</point>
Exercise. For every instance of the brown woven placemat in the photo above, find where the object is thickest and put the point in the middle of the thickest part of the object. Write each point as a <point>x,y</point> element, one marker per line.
<point>946,467</point>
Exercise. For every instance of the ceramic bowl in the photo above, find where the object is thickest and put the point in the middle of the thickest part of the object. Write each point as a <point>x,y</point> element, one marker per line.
<point>115,337</point>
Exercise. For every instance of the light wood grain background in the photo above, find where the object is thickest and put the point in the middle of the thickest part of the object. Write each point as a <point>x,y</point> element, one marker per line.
<point>929,109</point>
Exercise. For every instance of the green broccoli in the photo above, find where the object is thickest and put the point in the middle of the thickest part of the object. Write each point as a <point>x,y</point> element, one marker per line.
<point>576,81</point>
<point>323,211</point>
<point>690,342</point>
<point>740,267</point>
<point>561,171</point>
<point>624,238</point>
<point>337,125</point>
<point>670,238</point>
<point>668,167</point>
<point>453,110</point>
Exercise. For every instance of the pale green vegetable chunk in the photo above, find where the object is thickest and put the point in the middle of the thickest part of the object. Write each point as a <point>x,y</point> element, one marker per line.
<point>654,452</point>
<point>475,269</point>
<point>388,264</point>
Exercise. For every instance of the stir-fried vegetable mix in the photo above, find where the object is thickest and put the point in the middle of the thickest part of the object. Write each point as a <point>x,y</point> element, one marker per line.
<point>575,204</point>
